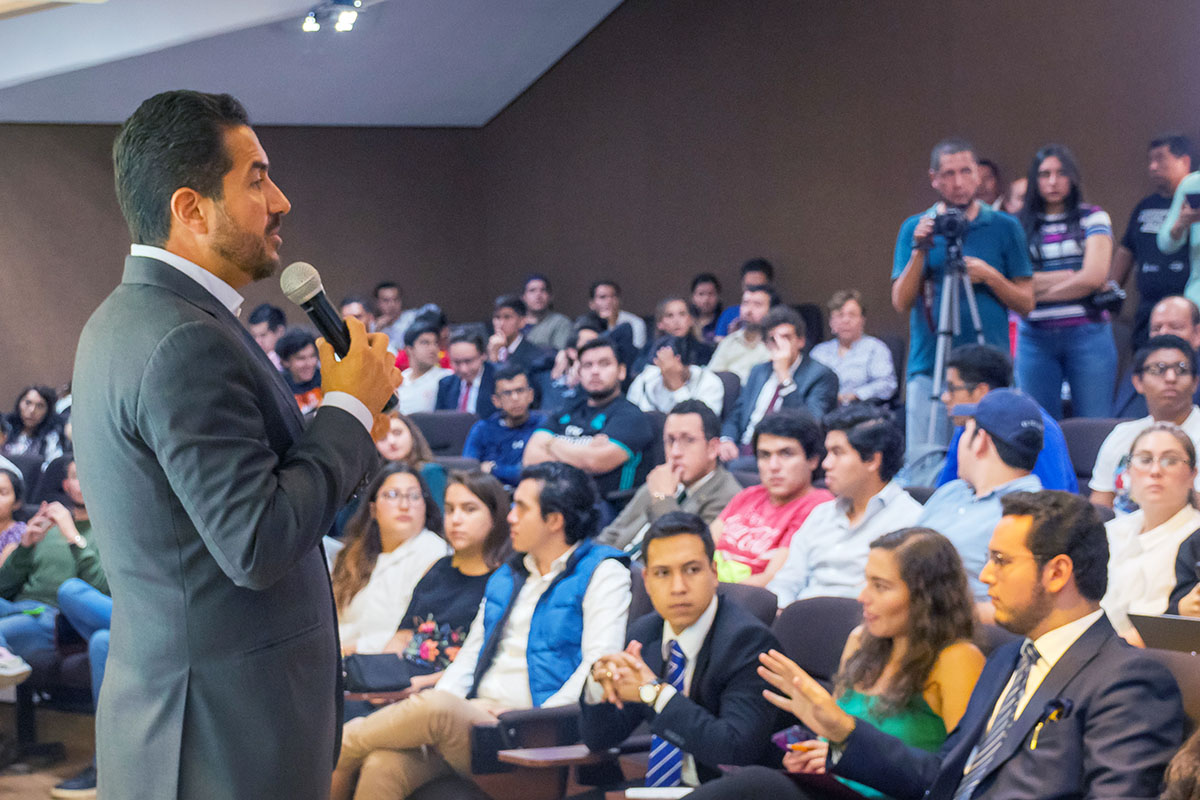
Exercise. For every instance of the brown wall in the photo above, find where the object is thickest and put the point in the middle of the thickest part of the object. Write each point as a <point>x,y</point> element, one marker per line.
<point>681,135</point>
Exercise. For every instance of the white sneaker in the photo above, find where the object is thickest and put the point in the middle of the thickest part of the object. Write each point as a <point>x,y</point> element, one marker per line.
<point>13,668</point>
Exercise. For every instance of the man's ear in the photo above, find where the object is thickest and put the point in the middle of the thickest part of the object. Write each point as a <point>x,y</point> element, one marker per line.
<point>190,210</point>
<point>621,372</point>
<point>1057,572</point>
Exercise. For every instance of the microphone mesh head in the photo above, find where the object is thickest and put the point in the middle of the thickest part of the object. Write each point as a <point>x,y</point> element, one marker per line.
<point>300,282</point>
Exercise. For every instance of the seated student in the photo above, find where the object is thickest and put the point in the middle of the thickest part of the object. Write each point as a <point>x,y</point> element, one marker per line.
<point>33,426</point>
<point>1185,597</point>
<point>498,442</point>
<point>297,350</point>
<point>1165,372</point>
<point>434,626</point>
<point>863,451</point>
<point>435,317</point>
<point>788,380</point>
<point>669,379</point>
<point>1071,711</point>
<point>55,546</point>
<point>606,436</point>
<point>1174,315</point>
<point>754,531</point>
<point>12,494</point>
<point>755,272</point>
<point>560,388</point>
<point>688,670</point>
<point>418,392</point>
<point>546,616</point>
<point>473,383</point>
<point>359,308</point>
<point>267,323</point>
<point>544,326</point>
<point>507,344</point>
<point>973,370</point>
<point>605,302</point>
<point>391,541</point>
<point>1002,439</point>
<point>405,443</point>
<point>692,478</point>
<point>744,349</point>
<point>705,304</point>
<point>910,667</point>
<point>673,317</point>
<point>863,363</point>
<point>1144,545</point>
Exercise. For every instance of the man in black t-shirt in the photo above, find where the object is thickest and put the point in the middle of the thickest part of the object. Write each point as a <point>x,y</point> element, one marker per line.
<point>606,436</point>
<point>1158,275</point>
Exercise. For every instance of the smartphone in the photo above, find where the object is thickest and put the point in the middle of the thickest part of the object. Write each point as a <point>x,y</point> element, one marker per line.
<point>1193,199</point>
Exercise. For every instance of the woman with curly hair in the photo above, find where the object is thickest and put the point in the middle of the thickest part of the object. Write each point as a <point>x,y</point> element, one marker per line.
<point>33,428</point>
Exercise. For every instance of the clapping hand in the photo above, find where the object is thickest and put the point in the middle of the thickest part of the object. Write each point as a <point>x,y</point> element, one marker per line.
<point>800,694</point>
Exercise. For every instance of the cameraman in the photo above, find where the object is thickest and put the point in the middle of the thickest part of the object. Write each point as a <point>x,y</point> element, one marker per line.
<point>996,259</point>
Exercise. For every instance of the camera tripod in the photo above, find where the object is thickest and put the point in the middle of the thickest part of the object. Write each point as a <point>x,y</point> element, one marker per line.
<point>950,323</point>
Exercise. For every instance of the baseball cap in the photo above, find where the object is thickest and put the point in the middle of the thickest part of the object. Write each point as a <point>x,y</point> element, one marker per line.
<point>1009,416</point>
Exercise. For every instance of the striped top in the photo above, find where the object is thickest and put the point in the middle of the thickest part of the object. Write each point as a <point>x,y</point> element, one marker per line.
<point>1059,245</point>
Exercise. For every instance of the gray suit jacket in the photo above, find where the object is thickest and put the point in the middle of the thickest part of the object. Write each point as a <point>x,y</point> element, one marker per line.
<point>708,501</point>
<point>209,499</point>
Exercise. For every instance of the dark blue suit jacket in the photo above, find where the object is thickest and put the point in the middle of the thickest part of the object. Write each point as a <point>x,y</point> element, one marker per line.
<point>448,388</point>
<point>816,389</point>
<point>724,719</point>
<point>1121,721</point>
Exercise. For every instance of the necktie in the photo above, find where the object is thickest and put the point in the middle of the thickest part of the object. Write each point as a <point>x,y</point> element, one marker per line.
<point>463,395</point>
<point>666,760</point>
<point>774,399</point>
<point>989,746</point>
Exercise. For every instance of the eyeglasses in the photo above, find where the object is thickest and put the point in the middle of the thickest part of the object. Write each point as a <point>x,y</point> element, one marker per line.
<point>1000,560</point>
<point>412,496</point>
<point>1145,461</point>
<point>1156,369</point>
<point>952,388</point>
<point>682,441</point>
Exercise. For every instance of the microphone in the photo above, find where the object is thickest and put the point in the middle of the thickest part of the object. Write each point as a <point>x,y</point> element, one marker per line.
<point>301,283</point>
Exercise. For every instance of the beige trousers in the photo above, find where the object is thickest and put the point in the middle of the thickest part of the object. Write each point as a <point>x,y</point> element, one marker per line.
<point>401,747</point>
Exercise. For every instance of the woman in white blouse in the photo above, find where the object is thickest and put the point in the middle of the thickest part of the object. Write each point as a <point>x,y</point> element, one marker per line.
<point>1143,545</point>
<point>390,542</point>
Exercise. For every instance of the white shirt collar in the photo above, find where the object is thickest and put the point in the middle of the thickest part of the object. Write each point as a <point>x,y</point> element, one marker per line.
<point>556,566</point>
<point>1052,644</point>
<point>225,294</point>
<point>691,638</point>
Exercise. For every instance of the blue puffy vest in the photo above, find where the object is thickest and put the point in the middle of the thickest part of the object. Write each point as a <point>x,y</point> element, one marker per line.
<point>554,650</point>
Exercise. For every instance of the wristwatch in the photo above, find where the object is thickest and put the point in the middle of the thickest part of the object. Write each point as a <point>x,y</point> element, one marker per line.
<point>648,692</point>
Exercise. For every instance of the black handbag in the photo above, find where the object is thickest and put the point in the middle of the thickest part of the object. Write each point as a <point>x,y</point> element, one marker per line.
<point>384,672</point>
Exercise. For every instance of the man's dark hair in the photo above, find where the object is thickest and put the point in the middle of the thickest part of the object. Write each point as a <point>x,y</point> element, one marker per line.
<point>982,363</point>
<point>708,418</point>
<point>1065,523</point>
<point>272,315</point>
<point>706,277</point>
<point>1166,341</point>
<point>793,423</point>
<point>537,276</point>
<point>679,523</point>
<point>759,265</point>
<point>597,343</point>
<point>1178,144</point>
<point>469,336</point>
<point>293,341</point>
<point>870,430</point>
<point>569,491</point>
<point>174,139</point>
<point>18,485</point>
<point>510,301</point>
<point>433,316</point>
<point>766,289</point>
<point>616,287</point>
<point>386,285</point>
<point>992,165</point>
<point>785,315</point>
<point>948,147</point>
<point>685,347</point>
<point>354,298</point>
<point>510,370</point>
<point>588,322</point>
<point>418,329</point>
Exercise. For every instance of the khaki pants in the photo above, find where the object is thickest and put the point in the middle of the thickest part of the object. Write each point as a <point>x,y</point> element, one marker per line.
<point>401,747</point>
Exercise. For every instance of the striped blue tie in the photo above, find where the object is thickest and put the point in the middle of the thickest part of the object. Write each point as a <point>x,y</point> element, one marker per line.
<point>985,752</point>
<point>666,760</point>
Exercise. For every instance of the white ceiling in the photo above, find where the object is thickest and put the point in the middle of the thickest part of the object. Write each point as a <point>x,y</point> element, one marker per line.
<point>407,63</point>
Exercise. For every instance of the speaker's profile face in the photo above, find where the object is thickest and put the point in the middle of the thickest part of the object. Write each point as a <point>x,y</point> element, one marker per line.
<point>247,217</point>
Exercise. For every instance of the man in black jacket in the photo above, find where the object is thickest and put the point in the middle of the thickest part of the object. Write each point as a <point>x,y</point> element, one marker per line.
<point>689,669</point>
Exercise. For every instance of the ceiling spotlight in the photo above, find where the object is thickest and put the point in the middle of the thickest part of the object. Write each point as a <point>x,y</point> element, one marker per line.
<point>341,15</point>
<point>310,24</point>
<point>345,21</point>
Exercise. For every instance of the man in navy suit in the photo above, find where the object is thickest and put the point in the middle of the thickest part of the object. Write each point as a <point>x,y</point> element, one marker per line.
<point>789,380</point>
<point>1069,711</point>
<point>508,345</point>
<point>689,669</point>
<point>473,383</point>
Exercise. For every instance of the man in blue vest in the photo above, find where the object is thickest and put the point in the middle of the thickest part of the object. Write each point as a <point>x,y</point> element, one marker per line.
<point>555,608</point>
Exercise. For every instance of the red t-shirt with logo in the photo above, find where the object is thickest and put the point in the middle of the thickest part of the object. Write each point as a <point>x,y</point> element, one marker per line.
<point>754,526</point>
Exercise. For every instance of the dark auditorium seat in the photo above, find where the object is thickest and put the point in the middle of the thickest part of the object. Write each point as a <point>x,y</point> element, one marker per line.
<point>458,463</point>
<point>921,493</point>
<point>49,488</point>
<point>733,387</point>
<point>446,431</point>
<point>747,477</point>
<point>31,473</point>
<point>1186,669</point>
<point>760,602</point>
<point>1084,435</point>
<point>813,633</point>
<point>813,315</point>
<point>61,681</point>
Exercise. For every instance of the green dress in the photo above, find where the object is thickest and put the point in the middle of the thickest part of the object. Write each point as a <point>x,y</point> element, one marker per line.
<point>914,724</point>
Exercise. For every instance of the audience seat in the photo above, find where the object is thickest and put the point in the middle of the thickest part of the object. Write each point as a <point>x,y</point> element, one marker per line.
<point>1186,669</point>
<point>813,633</point>
<point>733,387</point>
<point>1084,435</point>
<point>747,477</point>
<point>1105,513</point>
<point>446,431</point>
<point>31,473</point>
<point>898,345</point>
<point>814,320</point>
<point>988,637</point>
<point>657,453</point>
<point>458,463</point>
<point>921,493</point>
<point>49,488</point>
<point>759,601</point>
<point>61,681</point>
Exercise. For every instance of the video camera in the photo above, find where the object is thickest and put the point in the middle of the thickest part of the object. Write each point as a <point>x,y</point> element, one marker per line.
<point>951,223</point>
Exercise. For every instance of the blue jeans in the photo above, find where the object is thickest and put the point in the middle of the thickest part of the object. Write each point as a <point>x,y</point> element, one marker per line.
<point>29,635</point>
<point>918,405</point>
<point>1085,355</point>
<point>89,611</point>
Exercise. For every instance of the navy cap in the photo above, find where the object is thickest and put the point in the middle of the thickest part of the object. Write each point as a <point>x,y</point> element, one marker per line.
<point>1009,416</point>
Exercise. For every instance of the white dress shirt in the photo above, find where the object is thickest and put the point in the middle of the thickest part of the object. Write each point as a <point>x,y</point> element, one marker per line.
<point>229,297</point>
<point>1141,566</point>
<point>472,393</point>
<point>506,682</point>
<point>649,393</point>
<point>418,395</point>
<point>373,615</point>
<point>766,395</point>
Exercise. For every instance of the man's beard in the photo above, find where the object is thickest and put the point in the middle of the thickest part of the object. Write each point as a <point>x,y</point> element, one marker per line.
<point>603,394</point>
<point>245,250</point>
<point>1023,621</point>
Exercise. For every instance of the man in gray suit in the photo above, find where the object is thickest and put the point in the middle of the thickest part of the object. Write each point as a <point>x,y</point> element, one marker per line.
<point>209,494</point>
<point>692,479</point>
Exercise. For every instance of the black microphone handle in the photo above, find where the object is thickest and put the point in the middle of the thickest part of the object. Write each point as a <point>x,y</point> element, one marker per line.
<point>322,314</point>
